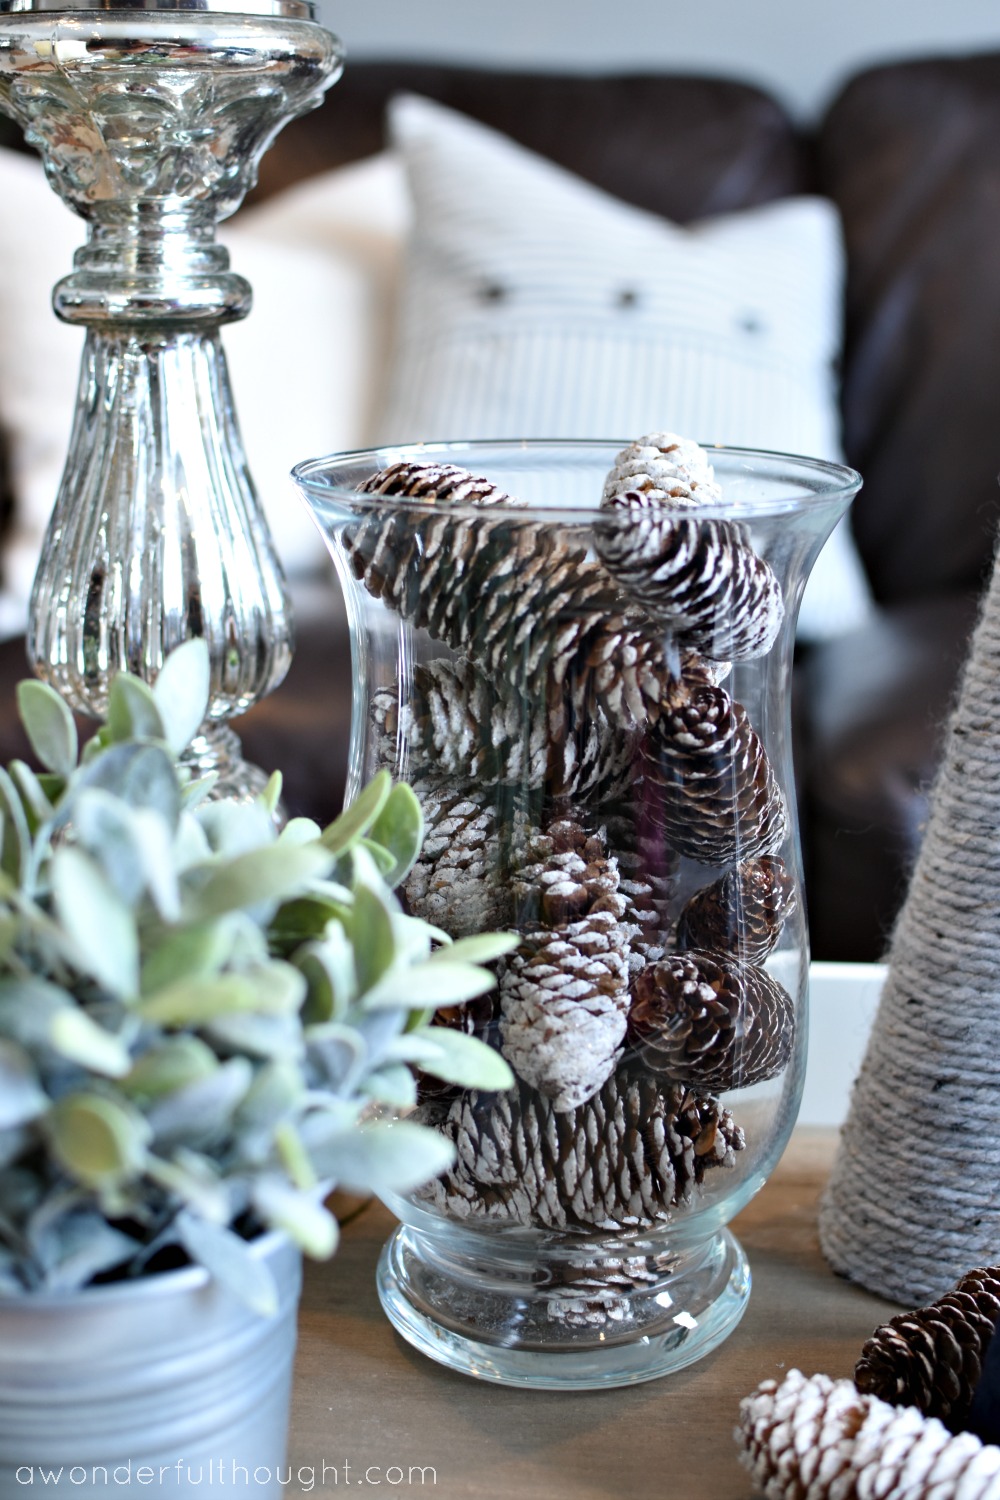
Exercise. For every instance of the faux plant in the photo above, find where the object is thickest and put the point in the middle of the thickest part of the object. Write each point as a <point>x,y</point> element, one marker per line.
<point>203,1019</point>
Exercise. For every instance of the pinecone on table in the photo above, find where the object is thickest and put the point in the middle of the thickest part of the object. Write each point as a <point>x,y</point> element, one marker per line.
<point>711,1022</point>
<point>700,578</point>
<point>932,1358</point>
<point>664,467</point>
<point>719,802</point>
<point>741,914</point>
<point>458,882</point>
<point>564,993</point>
<point>623,1160</point>
<point>821,1439</point>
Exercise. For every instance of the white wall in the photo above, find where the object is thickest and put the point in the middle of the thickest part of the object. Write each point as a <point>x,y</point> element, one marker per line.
<point>800,49</point>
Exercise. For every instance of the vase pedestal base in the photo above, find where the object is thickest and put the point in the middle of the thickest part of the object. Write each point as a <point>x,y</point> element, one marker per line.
<point>590,1333</point>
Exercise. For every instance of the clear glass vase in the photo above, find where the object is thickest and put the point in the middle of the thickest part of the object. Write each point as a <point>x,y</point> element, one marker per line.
<point>582,661</point>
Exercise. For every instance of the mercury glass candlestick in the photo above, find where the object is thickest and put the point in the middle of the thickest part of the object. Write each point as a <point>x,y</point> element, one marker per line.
<point>151,120</point>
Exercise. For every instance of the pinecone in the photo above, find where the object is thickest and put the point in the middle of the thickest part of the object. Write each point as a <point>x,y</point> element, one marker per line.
<point>458,723</point>
<point>623,1160</point>
<point>647,878</point>
<point>487,586</point>
<point>458,882</point>
<point>700,578</point>
<point>741,915</point>
<point>933,1358</point>
<point>564,993</point>
<point>515,596</point>
<point>592,1294</point>
<point>711,1022</point>
<point>522,603</point>
<point>820,1439</point>
<point>416,479</point>
<point>718,799</point>
<point>664,467</point>
<point>563,872</point>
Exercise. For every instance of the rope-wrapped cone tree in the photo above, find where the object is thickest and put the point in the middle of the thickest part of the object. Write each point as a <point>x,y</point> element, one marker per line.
<point>914,1198</point>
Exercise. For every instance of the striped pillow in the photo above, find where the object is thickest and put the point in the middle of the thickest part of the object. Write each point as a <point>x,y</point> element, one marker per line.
<point>535,305</point>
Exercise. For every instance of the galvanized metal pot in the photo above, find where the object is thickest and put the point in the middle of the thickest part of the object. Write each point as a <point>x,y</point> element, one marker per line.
<point>162,1385</point>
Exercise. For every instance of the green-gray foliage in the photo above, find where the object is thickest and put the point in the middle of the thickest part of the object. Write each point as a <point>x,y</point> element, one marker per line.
<point>204,1022</point>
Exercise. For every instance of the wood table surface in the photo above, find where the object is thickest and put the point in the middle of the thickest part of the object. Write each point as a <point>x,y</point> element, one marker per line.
<point>376,1413</point>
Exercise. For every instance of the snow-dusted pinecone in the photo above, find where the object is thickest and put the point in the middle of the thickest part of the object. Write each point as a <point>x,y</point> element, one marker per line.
<point>623,1160</point>
<point>564,993</point>
<point>665,467</point>
<point>418,479</point>
<point>459,723</point>
<point>699,577</point>
<point>820,1439</point>
<point>718,799</point>
<point>563,872</point>
<point>518,599</point>
<point>933,1358</point>
<point>398,554</point>
<point>592,1294</point>
<point>458,883</point>
<point>516,596</point>
<point>710,1021</point>
<point>647,878</point>
<point>487,586</point>
<point>740,915</point>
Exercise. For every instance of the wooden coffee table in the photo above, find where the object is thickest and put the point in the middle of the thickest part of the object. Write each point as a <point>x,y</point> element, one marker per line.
<point>375,1412</point>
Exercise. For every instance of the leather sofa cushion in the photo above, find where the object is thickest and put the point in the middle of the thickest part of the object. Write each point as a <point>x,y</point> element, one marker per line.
<point>909,154</point>
<point>684,147</point>
<point>871,707</point>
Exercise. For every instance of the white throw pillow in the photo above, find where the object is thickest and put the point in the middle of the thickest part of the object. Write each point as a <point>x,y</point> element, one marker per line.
<point>535,305</point>
<point>322,261</point>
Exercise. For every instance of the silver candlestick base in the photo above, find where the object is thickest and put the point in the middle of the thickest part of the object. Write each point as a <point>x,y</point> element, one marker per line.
<point>151,121</point>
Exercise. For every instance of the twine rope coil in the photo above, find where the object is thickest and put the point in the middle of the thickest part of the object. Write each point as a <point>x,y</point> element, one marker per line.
<point>914,1198</point>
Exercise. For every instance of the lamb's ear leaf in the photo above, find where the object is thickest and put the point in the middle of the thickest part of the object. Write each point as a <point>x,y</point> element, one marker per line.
<point>429,983</point>
<point>356,820</point>
<point>103,940</point>
<point>382,1157</point>
<point>15,839</point>
<point>22,1097</point>
<point>182,690</point>
<point>140,775</point>
<point>275,872</point>
<point>78,1037</point>
<point>464,1060</point>
<point>399,829</point>
<point>478,948</point>
<point>372,936</point>
<point>49,725</point>
<point>231,1261</point>
<point>311,1226</point>
<point>133,713</point>
<point>97,1140</point>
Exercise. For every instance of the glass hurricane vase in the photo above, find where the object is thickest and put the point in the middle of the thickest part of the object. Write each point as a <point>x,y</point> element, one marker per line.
<point>590,697</point>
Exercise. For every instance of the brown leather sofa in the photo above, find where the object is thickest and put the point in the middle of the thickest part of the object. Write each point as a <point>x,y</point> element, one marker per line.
<point>910,155</point>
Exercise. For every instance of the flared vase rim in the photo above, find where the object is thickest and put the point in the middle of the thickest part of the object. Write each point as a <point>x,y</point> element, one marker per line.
<point>128,12</point>
<point>824,481</point>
